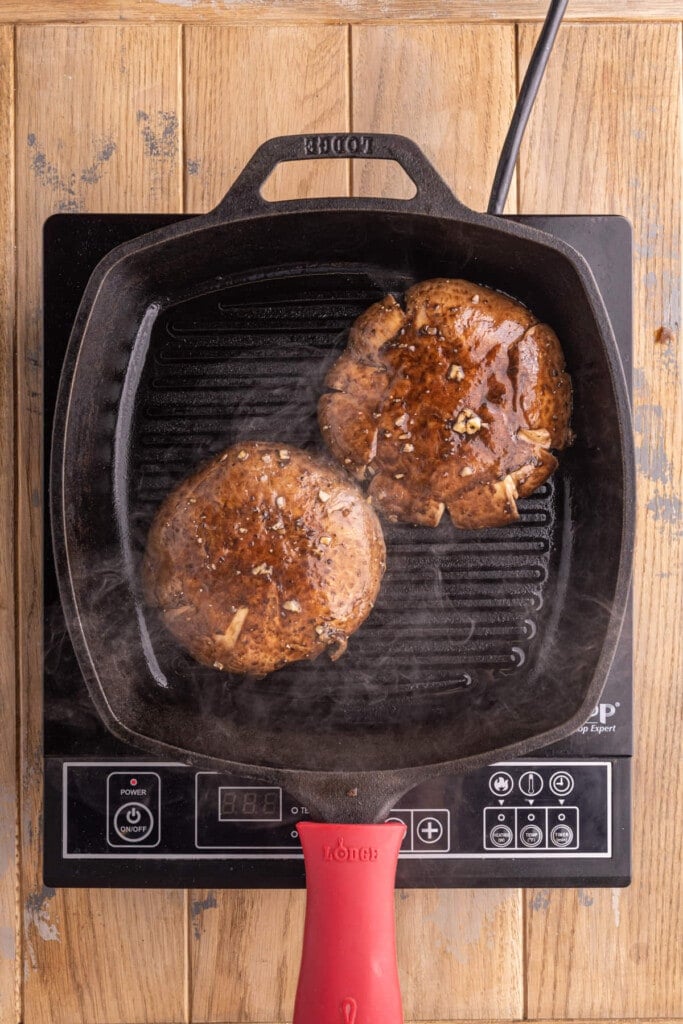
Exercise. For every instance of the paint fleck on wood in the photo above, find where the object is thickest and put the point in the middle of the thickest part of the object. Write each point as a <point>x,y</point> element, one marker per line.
<point>540,900</point>
<point>197,908</point>
<point>92,174</point>
<point>666,508</point>
<point>37,922</point>
<point>159,132</point>
<point>69,187</point>
<point>652,457</point>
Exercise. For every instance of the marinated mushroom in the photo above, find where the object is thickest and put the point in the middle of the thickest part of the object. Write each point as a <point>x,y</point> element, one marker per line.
<point>258,560</point>
<point>453,402</point>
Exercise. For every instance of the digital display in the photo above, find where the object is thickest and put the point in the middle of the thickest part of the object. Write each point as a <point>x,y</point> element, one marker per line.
<point>237,803</point>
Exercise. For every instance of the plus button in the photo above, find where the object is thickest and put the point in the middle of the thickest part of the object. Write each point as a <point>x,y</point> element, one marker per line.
<point>429,830</point>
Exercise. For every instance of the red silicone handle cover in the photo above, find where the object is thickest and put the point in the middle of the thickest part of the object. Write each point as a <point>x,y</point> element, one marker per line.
<point>348,966</point>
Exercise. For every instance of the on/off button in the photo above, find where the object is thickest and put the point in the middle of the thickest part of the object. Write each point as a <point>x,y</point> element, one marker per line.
<point>134,809</point>
<point>133,822</point>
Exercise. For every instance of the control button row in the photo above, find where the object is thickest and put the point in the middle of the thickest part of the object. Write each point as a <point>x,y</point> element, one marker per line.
<point>516,829</point>
<point>530,783</point>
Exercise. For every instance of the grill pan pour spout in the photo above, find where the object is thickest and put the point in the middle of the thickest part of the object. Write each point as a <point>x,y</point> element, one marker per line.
<point>219,329</point>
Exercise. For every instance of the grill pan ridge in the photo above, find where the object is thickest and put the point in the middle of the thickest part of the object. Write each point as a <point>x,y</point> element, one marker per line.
<point>481,645</point>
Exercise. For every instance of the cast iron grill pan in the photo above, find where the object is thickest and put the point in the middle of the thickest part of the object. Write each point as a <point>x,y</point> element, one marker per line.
<point>221,329</point>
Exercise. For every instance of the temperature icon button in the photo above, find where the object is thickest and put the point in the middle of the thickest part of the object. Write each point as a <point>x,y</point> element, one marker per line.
<point>530,783</point>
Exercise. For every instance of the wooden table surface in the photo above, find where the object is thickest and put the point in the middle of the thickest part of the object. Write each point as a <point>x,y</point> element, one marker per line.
<point>155,105</point>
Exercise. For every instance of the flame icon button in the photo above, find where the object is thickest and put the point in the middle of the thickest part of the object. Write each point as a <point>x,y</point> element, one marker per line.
<point>501,784</point>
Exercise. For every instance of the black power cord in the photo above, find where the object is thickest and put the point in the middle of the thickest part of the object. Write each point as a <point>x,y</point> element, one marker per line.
<point>525,101</point>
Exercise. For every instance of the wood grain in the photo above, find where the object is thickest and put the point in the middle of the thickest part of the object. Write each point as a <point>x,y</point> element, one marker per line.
<point>605,137</point>
<point>8,749</point>
<point>450,88</point>
<point>329,11</point>
<point>96,115</point>
<point>243,86</point>
<point>460,952</point>
<point>245,953</point>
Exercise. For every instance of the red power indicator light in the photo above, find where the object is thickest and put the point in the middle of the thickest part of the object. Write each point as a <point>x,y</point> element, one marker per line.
<point>133,782</point>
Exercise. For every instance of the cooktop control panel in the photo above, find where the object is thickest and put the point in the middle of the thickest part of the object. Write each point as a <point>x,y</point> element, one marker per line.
<point>524,815</point>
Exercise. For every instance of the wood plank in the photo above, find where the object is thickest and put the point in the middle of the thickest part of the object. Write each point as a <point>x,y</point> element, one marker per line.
<point>329,11</point>
<point>9,1010</point>
<point>246,946</point>
<point>456,105</point>
<point>265,82</point>
<point>460,952</point>
<point>605,137</point>
<point>275,81</point>
<point>97,126</point>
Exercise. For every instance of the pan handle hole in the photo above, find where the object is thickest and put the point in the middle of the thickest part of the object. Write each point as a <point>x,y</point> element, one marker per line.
<point>316,179</point>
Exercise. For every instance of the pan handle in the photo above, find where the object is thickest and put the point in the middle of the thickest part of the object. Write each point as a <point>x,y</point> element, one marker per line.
<point>433,195</point>
<point>348,966</point>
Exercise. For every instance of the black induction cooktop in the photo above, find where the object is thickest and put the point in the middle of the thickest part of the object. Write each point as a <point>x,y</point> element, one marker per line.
<point>115,818</point>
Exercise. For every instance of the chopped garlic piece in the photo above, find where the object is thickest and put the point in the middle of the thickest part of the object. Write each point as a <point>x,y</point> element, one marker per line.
<point>262,570</point>
<point>467,422</point>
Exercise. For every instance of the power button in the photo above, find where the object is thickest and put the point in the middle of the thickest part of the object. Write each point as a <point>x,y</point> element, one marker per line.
<point>133,809</point>
<point>133,822</point>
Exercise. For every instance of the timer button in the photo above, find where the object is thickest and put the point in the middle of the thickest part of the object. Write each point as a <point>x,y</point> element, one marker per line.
<point>561,783</point>
<point>562,835</point>
<point>133,822</point>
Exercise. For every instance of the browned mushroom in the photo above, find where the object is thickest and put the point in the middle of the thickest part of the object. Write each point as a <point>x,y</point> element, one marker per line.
<point>263,557</point>
<point>453,403</point>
